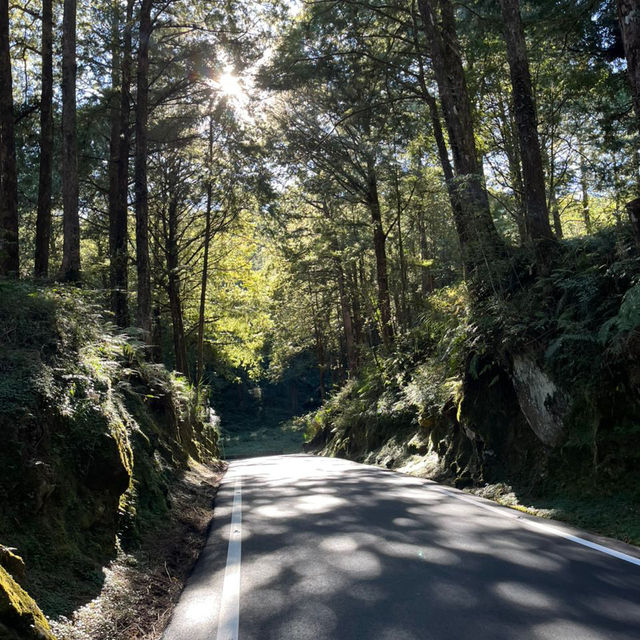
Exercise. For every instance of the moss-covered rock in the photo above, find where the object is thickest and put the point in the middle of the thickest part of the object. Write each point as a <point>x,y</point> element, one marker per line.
<point>13,563</point>
<point>20,616</point>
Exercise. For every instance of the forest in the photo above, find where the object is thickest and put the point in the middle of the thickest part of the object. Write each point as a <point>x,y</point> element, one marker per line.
<point>407,231</point>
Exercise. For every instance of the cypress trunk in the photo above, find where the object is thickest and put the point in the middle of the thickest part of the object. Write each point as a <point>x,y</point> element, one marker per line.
<point>141,188</point>
<point>347,321</point>
<point>537,225</point>
<point>175,303</point>
<point>479,239</point>
<point>70,270</point>
<point>629,18</point>
<point>379,246</point>
<point>9,252</point>
<point>584,189</point>
<point>205,260</point>
<point>119,170</point>
<point>43,219</point>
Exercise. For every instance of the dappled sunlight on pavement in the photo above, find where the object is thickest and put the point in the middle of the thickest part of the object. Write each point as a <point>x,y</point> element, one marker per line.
<point>332,549</point>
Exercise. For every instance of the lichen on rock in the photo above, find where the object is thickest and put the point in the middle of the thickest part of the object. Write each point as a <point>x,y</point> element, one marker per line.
<point>544,405</point>
<point>12,563</point>
<point>20,616</point>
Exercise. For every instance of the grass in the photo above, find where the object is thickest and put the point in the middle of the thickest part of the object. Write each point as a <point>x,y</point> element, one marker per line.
<point>616,516</point>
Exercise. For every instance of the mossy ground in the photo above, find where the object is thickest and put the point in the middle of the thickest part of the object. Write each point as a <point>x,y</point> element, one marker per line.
<point>18,609</point>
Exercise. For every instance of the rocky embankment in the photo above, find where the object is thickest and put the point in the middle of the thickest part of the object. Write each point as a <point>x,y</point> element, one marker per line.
<point>537,391</point>
<point>93,437</point>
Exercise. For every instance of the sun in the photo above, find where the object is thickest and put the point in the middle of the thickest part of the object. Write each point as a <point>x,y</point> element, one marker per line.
<point>229,85</point>
<point>234,88</point>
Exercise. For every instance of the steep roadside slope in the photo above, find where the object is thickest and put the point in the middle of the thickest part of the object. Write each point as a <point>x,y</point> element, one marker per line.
<point>93,438</point>
<point>532,398</point>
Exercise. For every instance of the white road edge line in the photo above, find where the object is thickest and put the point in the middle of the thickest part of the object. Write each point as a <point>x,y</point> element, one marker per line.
<point>229,617</point>
<point>547,528</point>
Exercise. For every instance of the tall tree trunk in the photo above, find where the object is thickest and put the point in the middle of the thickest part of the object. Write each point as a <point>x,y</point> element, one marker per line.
<point>354,299</point>
<point>379,246</point>
<point>438,134</point>
<point>141,188</point>
<point>70,270</point>
<point>427,284</point>
<point>9,252</point>
<point>403,309</point>
<point>320,350</point>
<point>43,218</point>
<point>114,135</point>
<point>536,214</point>
<point>629,18</point>
<point>553,197</point>
<point>205,260</point>
<point>555,212</point>
<point>347,321</point>
<point>512,151</point>
<point>175,303</point>
<point>584,188</point>
<point>479,239</point>
<point>119,167</point>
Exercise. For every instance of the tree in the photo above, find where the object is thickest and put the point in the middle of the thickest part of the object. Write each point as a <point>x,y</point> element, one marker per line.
<point>479,239</point>
<point>339,134</point>
<point>70,270</point>
<point>43,219</point>
<point>141,188</point>
<point>205,257</point>
<point>629,18</point>
<point>9,252</point>
<point>119,168</point>
<point>536,214</point>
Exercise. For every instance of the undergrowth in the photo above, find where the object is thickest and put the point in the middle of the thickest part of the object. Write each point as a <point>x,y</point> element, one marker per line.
<point>449,383</point>
<point>93,435</point>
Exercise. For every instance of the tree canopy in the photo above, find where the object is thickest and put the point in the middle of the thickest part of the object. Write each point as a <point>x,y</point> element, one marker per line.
<point>246,182</point>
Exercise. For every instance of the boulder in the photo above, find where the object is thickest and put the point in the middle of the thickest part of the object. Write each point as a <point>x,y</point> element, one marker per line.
<point>543,405</point>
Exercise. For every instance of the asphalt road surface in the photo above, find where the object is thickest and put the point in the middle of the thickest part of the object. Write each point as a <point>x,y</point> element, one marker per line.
<point>308,548</point>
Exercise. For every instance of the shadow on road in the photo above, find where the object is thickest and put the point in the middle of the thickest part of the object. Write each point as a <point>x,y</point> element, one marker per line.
<point>343,551</point>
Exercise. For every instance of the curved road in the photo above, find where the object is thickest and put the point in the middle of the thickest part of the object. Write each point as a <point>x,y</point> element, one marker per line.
<point>315,548</point>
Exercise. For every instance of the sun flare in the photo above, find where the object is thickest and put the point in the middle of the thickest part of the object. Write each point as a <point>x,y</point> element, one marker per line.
<point>229,85</point>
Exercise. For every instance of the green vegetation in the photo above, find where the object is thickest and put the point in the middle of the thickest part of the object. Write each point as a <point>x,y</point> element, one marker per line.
<point>93,437</point>
<point>447,403</point>
<point>415,224</point>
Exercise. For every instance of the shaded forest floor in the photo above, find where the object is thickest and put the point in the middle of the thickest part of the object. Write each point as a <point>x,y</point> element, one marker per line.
<point>142,587</point>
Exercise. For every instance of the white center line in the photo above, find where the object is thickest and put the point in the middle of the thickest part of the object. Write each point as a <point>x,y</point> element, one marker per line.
<point>229,618</point>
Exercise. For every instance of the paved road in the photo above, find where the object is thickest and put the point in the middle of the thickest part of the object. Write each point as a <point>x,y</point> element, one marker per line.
<point>328,549</point>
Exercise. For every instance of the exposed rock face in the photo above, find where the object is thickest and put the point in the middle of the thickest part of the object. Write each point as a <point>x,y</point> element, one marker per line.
<point>20,617</point>
<point>542,403</point>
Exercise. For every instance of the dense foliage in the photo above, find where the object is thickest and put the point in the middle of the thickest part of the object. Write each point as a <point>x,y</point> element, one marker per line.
<point>422,215</point>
